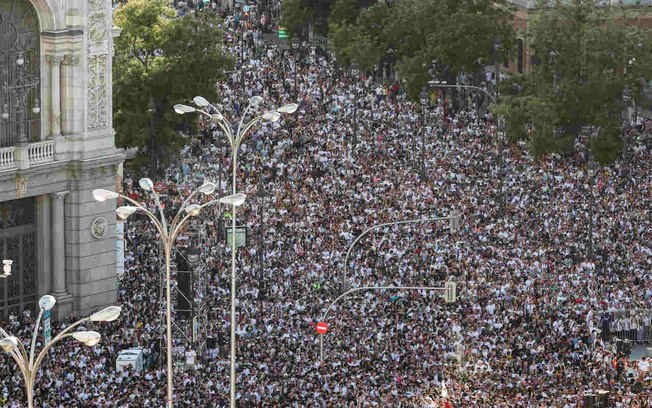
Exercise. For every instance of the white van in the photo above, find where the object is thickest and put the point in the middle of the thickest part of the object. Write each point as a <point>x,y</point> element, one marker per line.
<point>133,357</point>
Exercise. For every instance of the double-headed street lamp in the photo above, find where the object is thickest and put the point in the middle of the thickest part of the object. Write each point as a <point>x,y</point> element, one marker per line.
<point>168,236</point>
<point>235,139</point>
<point>448,293</point>
<point>454,224</point>
<point>29,365</point>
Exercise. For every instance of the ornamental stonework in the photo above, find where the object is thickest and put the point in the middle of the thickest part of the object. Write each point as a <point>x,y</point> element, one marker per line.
<point>99,227</point>
<point>97,91</point>
<point>97,4</point>
<point>97,27</point>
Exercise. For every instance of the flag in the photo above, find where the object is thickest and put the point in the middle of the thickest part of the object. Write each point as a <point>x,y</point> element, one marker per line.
<point>444,391</point>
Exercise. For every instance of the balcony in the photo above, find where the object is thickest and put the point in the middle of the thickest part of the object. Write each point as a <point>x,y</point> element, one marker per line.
<point>41,152</point>
<point>28,155</point>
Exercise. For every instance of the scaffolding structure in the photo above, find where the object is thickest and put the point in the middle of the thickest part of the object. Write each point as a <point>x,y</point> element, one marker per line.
<point>189,310</point>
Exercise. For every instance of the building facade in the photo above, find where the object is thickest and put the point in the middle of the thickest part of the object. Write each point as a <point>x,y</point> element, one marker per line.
<point>56,146</point>
<point>525,10</point>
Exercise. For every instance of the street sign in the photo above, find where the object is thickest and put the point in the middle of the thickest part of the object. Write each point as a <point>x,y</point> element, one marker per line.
<point>282,32</point>
<point>47,330</point>
<point>240,236</point>
<point>321,328</point>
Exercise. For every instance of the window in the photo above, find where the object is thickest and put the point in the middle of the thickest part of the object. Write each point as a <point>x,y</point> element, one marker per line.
<point>19,73</point>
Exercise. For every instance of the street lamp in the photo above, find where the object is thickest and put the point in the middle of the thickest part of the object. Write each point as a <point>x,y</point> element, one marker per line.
<point>448,292</point>
<point>168,236</point>
<point>356,75</point>
<point>28,365</point>
<point>298,49</point>
<point>424,107</point>
<point>261,194</point>
<point>235,139</point>
<point>151,111</point>
<point>454,225</point>
<point>591,168</point>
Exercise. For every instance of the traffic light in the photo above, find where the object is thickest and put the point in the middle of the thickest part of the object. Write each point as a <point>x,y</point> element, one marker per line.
<point>283,32</point>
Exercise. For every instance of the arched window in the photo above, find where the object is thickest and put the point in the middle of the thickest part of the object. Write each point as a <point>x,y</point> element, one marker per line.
<point>19,73</point>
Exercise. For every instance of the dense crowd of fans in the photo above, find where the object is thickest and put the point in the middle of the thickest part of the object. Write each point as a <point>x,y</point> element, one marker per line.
<point>534,317</point>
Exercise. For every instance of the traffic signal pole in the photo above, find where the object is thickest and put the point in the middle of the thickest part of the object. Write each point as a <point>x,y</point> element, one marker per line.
<point>449,294</point>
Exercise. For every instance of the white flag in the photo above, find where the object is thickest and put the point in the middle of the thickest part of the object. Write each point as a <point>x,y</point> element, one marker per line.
<point>444,391</point>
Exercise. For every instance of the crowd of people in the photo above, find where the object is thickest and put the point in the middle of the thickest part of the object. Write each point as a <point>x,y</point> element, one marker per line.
<point>546,255</point>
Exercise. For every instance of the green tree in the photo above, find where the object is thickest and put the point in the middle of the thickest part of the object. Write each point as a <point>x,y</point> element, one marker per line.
<point>587,56</point>
<point>161,60</point>
<point>410,34</point>
<point>300,15</point>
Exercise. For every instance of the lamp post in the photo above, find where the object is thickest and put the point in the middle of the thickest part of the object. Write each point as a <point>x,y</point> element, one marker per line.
<point>261,194</point>
<point>29,364</point>
<point>168,236</point>
<point>454,224</point>
<point>500,142</point>
<point>355,73</point>
<point>591,167</point>
<point>449,294</point>
<point>297,52</point>
<point>151,110</point>
<point>235,139</point>
<point>424,108</point>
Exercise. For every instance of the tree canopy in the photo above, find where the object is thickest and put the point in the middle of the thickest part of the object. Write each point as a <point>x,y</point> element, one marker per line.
<point>160,60</point>
<point>460,35</point>
<point>297,15</point>
<point>587,56</point>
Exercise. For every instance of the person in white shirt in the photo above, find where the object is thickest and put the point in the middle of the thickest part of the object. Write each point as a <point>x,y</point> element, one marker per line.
<point>643,368</point>
<point>190,357</point>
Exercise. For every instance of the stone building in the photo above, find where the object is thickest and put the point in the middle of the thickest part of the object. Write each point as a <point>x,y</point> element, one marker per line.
<point>56,146</point>
<point>525,10</point>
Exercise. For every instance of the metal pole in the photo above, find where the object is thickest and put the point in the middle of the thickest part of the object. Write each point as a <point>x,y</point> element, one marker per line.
<point>423,144</point>
<point>261,248</point>
<point>499,143</point>
<point>296,68</point>
<point>152,155</point>
<point>233,277</point>
<point>591,229</point>
<point>321,347</point>
<point>590,172</point>
<point>355,110</point>
<point>168,321</point>
<point>192,303</point>
<point>446,290</point>
<point>29,388</point>
<point>365,232</point>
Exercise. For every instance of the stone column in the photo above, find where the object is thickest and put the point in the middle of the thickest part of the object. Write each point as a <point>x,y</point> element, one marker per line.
<point>55,89</point>
<point>45,244</point>
<point>64,300</point>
